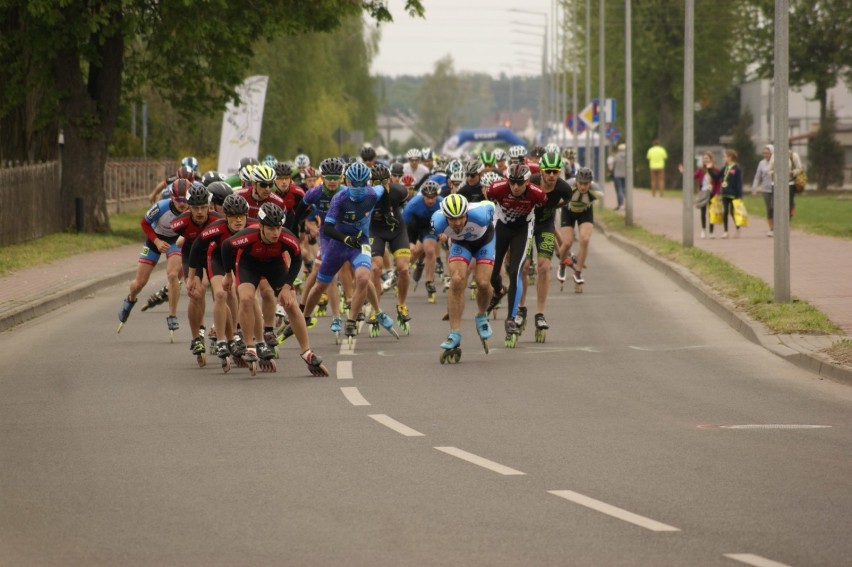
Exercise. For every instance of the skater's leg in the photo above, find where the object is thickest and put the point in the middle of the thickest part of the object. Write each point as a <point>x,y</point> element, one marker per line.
<point>362,288</point>
<point>143,274</point>
<point>248,304</point>
<point>482,276</point>
<point>268,303</point>
<point>403,276</point>
<point>542,284</point>
<point>455,298</point>
<point>195,310</point>
<point>585,237</point>
<point>174,268</point>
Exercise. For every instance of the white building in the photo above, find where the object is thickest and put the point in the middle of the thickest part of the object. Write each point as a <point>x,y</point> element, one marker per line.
<point>757,96</point>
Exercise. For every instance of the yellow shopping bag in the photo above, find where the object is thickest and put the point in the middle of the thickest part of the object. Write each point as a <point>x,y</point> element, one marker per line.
<point>740,213</point>
<point>716,210</point>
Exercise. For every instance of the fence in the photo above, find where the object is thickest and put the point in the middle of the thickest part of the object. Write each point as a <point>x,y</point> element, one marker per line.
<point>29,195</point>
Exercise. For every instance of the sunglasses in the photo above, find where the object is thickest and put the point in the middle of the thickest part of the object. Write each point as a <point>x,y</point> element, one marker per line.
<point>516,182</point>
<point>551,171</point>
<point>267,185</point>
<point>180,200</point>
<point>472,174</point>
<point>332,177</point>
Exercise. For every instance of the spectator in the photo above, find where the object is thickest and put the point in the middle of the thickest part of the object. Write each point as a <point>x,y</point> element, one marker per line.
<point>795,169</point>
<point>657,157</point>
<point>763,183</point>
<point>619,173</point>
<point>732,187</point>
<point>705,181</point>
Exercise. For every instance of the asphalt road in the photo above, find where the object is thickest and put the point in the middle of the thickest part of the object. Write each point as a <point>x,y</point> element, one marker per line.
<point>643,432</point>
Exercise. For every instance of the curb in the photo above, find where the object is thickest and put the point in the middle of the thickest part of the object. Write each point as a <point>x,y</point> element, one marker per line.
<point>727,311</point>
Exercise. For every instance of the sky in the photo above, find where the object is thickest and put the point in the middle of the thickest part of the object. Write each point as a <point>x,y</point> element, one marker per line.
<point>481,35</point>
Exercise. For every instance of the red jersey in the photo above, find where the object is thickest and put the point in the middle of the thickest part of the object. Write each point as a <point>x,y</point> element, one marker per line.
<point>515,210</point>
<point>291,198</point>
<point>254,205</point>
<point>247,242</point>
<point>208,243</point>
<point>186,227</point>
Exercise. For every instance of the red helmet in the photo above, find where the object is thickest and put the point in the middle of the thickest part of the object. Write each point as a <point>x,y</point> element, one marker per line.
<point>407,180</point>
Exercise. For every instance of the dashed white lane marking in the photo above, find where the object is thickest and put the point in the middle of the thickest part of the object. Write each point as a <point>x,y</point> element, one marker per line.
<point>477,460</point>
<point>774,426</point>
<point>344,344</point>
<point>665,348</point>
<point>611,510</point>
<point>756,560</point>
<point>344,370</point>
<point>354,396</point>
<point>400,428</point>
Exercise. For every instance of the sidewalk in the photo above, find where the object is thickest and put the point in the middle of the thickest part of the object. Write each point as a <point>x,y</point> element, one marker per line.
<point>820,273</point>
<point>33,292</point>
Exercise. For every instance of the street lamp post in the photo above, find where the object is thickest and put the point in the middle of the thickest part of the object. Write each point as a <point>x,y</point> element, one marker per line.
<point>545,93</point>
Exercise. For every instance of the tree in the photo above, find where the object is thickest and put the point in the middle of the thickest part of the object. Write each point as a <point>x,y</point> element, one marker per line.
<point>820,44</point>
<point>825,154</point>
<point>71,61</point>
<point>439,101</point>
<point>746,152</point>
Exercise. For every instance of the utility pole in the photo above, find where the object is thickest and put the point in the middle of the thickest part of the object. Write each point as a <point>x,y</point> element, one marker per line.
<point>782,153</point>
<point>688,122</point>
<point>628,111</point>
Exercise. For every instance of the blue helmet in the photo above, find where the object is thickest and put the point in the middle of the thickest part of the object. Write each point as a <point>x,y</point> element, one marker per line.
<point>270,160</point>
<point>358,175</point>
<point>190,162</point>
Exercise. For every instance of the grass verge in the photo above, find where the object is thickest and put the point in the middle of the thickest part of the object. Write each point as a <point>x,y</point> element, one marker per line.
<point>750,294</point>
<point>841,352</point>
<point>125,230</point>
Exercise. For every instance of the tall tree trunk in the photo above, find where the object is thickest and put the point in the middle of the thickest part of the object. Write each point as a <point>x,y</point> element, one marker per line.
<point>90,109</point>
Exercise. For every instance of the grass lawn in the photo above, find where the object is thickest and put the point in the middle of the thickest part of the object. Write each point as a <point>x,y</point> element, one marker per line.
<point>125,230</point>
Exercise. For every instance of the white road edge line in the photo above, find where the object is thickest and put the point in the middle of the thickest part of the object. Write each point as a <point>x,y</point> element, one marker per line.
<point>354,396</point>
<point>344,370</point>
<point>756,560</point>
<point>400,428</point>
<point>477,460</point>
<point>611,510</point>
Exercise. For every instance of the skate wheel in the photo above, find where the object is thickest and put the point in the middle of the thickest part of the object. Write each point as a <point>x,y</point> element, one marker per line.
<point>578,288</point>
<point>405,328</point>
<point>226,365</point>
<point>485,345</point>
<point>457,356</point>
<point>172,336</point>
<point>202,360</point>
<point>120,326</point>
<point>252,366</point>
<point>444,356</point>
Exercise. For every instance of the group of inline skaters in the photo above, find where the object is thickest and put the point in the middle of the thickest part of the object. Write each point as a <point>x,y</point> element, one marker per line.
<point>352,228</point>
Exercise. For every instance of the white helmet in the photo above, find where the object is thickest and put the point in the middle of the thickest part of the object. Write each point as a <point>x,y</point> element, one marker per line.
<point>499,154</point>
<point>426,153</point>
<point>517,152</point>
<point>302,161</point>
<point>488,178</point>
<point>457,176</point>
<point>551,149</point>
<point>413,153</point>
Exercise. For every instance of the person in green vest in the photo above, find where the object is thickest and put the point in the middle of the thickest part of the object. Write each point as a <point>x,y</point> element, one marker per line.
<point>657,164</point>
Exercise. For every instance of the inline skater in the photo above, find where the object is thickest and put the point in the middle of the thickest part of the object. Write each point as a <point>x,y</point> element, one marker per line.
<point>160,239</point>
<point>417,217</point>
<point>347,228</point>
<point>515,200</point>
<point>388,232</point>
<point>500,165</point>
<point>472,189</point>
<point>469,230</point>
<point>558,192</point>
<point>579,212</point>
<point>258,252</point>
<point>289,192</point>
<point>189,226</point>
<point>205,258</point>
<point>413,167</point>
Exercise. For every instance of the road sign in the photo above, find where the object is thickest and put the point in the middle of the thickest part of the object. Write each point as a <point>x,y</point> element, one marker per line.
<point>569,123</point>
<point>613,134</point>
<point>591,114</point>
<point>588,115</point>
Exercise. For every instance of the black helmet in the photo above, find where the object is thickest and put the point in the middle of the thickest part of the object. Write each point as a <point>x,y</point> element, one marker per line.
<point>198,195</point>
<point>220,191</point>
<point>380,172</point>
<point>283,169</point>
<point>248,161</point>
<point>211,176</point>
<point>584,175</point>
<point>331,166</point>
<point>368,154</point>
<point>270,214</point>
<point>430,188</point>
<point>396,169</point>
<point>235,205</point>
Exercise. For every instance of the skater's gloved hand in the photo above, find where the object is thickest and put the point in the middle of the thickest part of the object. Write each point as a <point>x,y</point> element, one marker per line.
<point>352,242</point>
<point>392,222</point>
